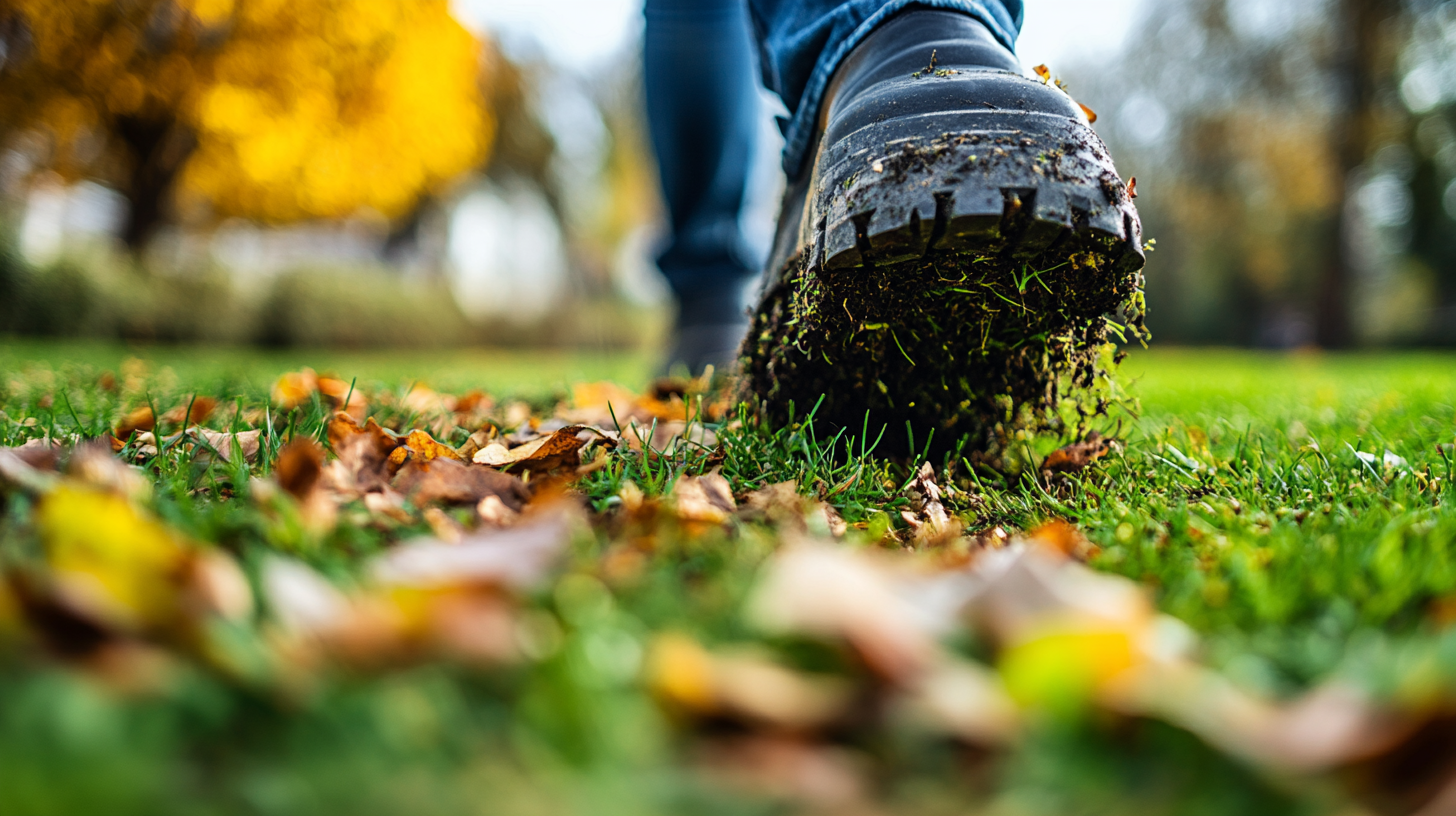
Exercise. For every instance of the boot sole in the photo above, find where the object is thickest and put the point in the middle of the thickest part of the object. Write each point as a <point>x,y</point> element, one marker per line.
<point>954,271</point>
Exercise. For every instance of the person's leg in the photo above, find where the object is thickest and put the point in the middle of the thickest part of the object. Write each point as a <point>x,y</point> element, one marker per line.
<point>802,42</point>
<point>702,110</point>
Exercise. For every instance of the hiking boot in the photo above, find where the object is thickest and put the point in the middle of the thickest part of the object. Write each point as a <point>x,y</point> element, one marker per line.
<point>951,257</point>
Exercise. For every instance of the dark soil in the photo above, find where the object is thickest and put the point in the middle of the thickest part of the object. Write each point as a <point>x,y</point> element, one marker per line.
<point>972,348</point>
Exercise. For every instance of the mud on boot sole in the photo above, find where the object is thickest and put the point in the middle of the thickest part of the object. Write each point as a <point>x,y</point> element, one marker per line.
<point>958,278</point>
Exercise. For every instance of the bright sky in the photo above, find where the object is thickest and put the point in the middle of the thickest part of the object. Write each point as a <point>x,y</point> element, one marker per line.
<point>580,33</point>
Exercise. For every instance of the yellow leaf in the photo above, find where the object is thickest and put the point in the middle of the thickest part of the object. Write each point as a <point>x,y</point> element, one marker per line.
<point>681,672</point>
<point>109,558</point>
<point>1063,669</point>
<point>295,388</point>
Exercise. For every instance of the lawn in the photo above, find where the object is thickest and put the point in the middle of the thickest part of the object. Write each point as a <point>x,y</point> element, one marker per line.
<point>1241,605</point>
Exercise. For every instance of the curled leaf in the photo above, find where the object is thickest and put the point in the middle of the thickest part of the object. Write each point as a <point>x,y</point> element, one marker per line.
<point>452,482</point>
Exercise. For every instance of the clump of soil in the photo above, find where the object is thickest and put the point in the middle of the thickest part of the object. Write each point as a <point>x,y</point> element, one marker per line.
<point>975,348</point>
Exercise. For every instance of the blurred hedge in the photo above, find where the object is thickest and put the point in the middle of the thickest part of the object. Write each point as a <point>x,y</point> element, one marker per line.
<point>112,298</point>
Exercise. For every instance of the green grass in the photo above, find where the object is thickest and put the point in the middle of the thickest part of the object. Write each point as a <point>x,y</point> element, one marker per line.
<point>1238,498</point>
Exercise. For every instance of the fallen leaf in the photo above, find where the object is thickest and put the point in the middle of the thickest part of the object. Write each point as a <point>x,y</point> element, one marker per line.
<point>343,396</point>
<point>94,464</point>
<point>1044,72</point>
<point>446,480</point>
<point>299,470</point>
<point>299,467</point>
<point>140,419</point>
<point>1066,539</point>
<point>41,453</point>
<point>363,455</point>
<point>109,561</point>
<point>295,388</point>
<point>1078,455</point>
<point>246,442</point>
<point>216,585</point>
<point>1091,114</point>
<point>421,447</point>
<point>300,599</point>
<point>19,474</point>
<point>962,699</point>
<point>706,498</point>
<point>743,684</point>
<point>609,405</point>
<point>837,593</point>
<point>932,524</point>
<point>782,506</point>
<point>192,411</point>
<point>1132,187</point>
<point>518,558</point>
<point>494,512</point>
<point>561,449</point>
<point>422,400</point>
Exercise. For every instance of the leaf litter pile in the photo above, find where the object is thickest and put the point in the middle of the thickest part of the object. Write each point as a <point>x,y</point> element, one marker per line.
<point>342,598</point>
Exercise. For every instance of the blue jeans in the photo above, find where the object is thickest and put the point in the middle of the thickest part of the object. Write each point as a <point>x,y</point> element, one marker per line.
<point>702,111</point>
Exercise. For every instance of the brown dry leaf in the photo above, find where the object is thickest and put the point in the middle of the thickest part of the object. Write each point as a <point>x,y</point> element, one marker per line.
<point>962,699</point>
<point>1065,539</point>
<point>1021,592</point>
<point>494,512</point>
<point>933,526</point>
<point>339,392</point>
<point>744,684</point>
<point>301,600</point>
<point>784,507</point>
<point>473,401</point>
<point>476,442</point>
<point>388,504</point>
<point>1330,727</point>
<point>299,470</point>
<point>216,585</point>
<point>294,388</point>
<point>140,419</point>
<point>247,441</point>
<point>1091,114</point>
<point>1078,455</point>
<point>421,447</point>
<point>610,405</point>
<point>41,453</point>
<point>518,558</point>
<point>838,593</point>
<point>706,498</point>
<point>423,400</point>
<point>1132,187</point>
<point>94,464</point>
<point>299,467</point>
<point>1044,72</point>
<point>192,411</point>
<point>363,455</point>
<point>449,481</point>
<point>561,449</point>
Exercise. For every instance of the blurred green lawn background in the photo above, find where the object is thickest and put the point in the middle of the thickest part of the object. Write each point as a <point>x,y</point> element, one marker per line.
<point>1196,384</point>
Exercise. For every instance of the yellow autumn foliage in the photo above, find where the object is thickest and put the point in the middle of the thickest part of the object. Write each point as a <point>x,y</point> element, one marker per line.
<point>283,109</point>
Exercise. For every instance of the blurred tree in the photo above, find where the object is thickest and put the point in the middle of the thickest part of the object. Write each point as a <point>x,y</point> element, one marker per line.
<point>1365,47</point>
<point>1252,128</point>
<point>274,110</point>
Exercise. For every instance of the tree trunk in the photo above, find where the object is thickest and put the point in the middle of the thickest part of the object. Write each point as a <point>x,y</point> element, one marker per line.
<point>1358,73</point>
<point>159,148</point>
